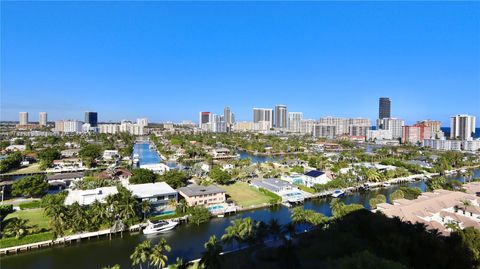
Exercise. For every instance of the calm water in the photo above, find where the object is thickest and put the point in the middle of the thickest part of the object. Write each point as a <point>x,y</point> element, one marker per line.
<point>146,155</point>
<point>186,240</point>
<point>257,158</point>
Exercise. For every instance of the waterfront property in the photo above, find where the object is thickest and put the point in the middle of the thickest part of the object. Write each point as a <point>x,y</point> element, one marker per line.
<point>67,165</point>
<point>288,191</point>
<point>439,210</point>
<point>315,177</point>
<point>157,194</point>
<point>64,179</point>
<point>202,195</point>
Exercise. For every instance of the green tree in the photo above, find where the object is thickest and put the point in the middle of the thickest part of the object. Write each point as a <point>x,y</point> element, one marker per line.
<point>89,153</point>
<point>219,176</point>
<point>145,208</point>
<point>397,194</point>
<point>176,179</point>
<point>380,198</point>
<point>158,257</point>
<point>47,157</point>
<point>77,218</point>
<point>30,186</point>
<point>198,214</point>
<point>141,176</point>
<point>142,253</point>
<point>410,192</point>
<point>12,161</point>
<point>211,258</point>
<point>56,211</point>
<point>15,227</point>
<point>339,209</point>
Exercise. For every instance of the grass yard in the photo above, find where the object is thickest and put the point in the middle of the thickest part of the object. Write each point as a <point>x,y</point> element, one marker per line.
<point>25,170</point>
<point>244,195</point>
<point>34,217</point>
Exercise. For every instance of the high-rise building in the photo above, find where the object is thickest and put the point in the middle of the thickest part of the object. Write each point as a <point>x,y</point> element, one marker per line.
<point>281,116</point>
<point>229,118</point>
<point>42,118</point>
<point>143,122</point>
<point>395,125</point>
<point>307,126</point>
<point>72,126</point>
<point>359,126</point>
<point>294,121</point>
<point>23,118</point>
<point>263,115</point>
<point>203,119</point>
<point>462,126</point>
<point>384,108</point>
<point>91,118</point>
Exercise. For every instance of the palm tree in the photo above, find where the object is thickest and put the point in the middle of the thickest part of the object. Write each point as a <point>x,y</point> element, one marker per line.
<point>261,232</point>
<point>57,212</point>
<point>145,208</point>
<point>179,264</point>
<point>142,253</point>
<point>275,228</point>
<point>298,215</point>
<point>15,227</point>
<point>182,206</point>
<point>77,218</point>
<point>98,213</point>
<point>116,266</point>
<point>468,176</point>
<point>158,257</point>
<point>211,258</point>
<point>289,229</point>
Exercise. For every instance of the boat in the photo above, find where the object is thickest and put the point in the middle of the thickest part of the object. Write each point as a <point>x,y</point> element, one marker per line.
<point>159,226</point>
<point>338,194</point>
<point>386,184</point>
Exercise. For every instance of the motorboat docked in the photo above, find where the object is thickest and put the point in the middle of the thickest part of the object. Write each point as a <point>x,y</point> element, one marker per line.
<point>159,226</point>
<point>338,194</point>
<point>386,184</point>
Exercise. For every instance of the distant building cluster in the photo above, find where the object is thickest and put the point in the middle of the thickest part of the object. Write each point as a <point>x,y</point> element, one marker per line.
<point>389,130</point>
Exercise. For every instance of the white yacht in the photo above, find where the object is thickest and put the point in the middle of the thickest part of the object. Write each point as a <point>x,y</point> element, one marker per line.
<point>338,194</point>
<point>159,226</point>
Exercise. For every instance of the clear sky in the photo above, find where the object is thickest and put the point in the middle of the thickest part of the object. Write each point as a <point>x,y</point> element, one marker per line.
<point>170,60</point>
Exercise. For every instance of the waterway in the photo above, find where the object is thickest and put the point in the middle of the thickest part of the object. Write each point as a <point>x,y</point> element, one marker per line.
<point>186,240</point>
<point>257,158</point>
<point>146,154</point>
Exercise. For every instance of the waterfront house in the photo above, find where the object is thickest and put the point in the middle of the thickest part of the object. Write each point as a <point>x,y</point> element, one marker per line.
<point>158,194</point>
<point>313,177</point>
<point>158,168</point>
<point>65,165</point>
<point>286,190</point>
<point>202,195</point>
<point>64,179</point>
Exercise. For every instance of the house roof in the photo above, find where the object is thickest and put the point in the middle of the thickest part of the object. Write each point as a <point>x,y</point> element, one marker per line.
<point>314,173</point>
<point>150,189</point>
<point>65,176</point>
<point>195,190</point>
<point>272,184</point>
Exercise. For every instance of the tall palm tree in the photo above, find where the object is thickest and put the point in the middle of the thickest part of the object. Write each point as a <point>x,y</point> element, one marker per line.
<point>261,232</point>
<point>298,215</point>
<point>211,258</point>
<point>158,257</point>
<point>142,253</point>
<point>98,213</point>
<point>77,218</point>
<point>57,212</point>
<point>145,208</point>
<point>275,228</point>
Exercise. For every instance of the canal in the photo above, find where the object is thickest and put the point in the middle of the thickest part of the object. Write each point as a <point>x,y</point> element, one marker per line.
<point>146,154</point>
<point>186,240</point>
<point>257,158</point>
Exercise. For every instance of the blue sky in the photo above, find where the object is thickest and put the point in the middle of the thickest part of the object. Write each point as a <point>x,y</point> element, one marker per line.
<point>170,60</point>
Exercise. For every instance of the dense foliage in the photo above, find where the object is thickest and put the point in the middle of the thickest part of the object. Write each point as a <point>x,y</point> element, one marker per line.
<point>12,161</point>
<point>141,176</point>
<point>30,186</point>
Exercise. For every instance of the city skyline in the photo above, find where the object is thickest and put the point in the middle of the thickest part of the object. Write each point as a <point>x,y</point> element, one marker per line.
<point>149,63</point>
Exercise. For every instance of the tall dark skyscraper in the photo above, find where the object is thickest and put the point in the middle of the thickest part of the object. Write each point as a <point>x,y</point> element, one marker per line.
<point>384,108</point>
<point>91,118</point>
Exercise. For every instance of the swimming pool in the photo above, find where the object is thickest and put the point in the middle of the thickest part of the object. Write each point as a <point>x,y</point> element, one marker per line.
<point>215,207</point>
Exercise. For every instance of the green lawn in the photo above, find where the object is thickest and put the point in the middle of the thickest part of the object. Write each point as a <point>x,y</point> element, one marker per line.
<point>244,195</point>
<point>28,239</point>
<point>25,170</point>
<point>34,217</point>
